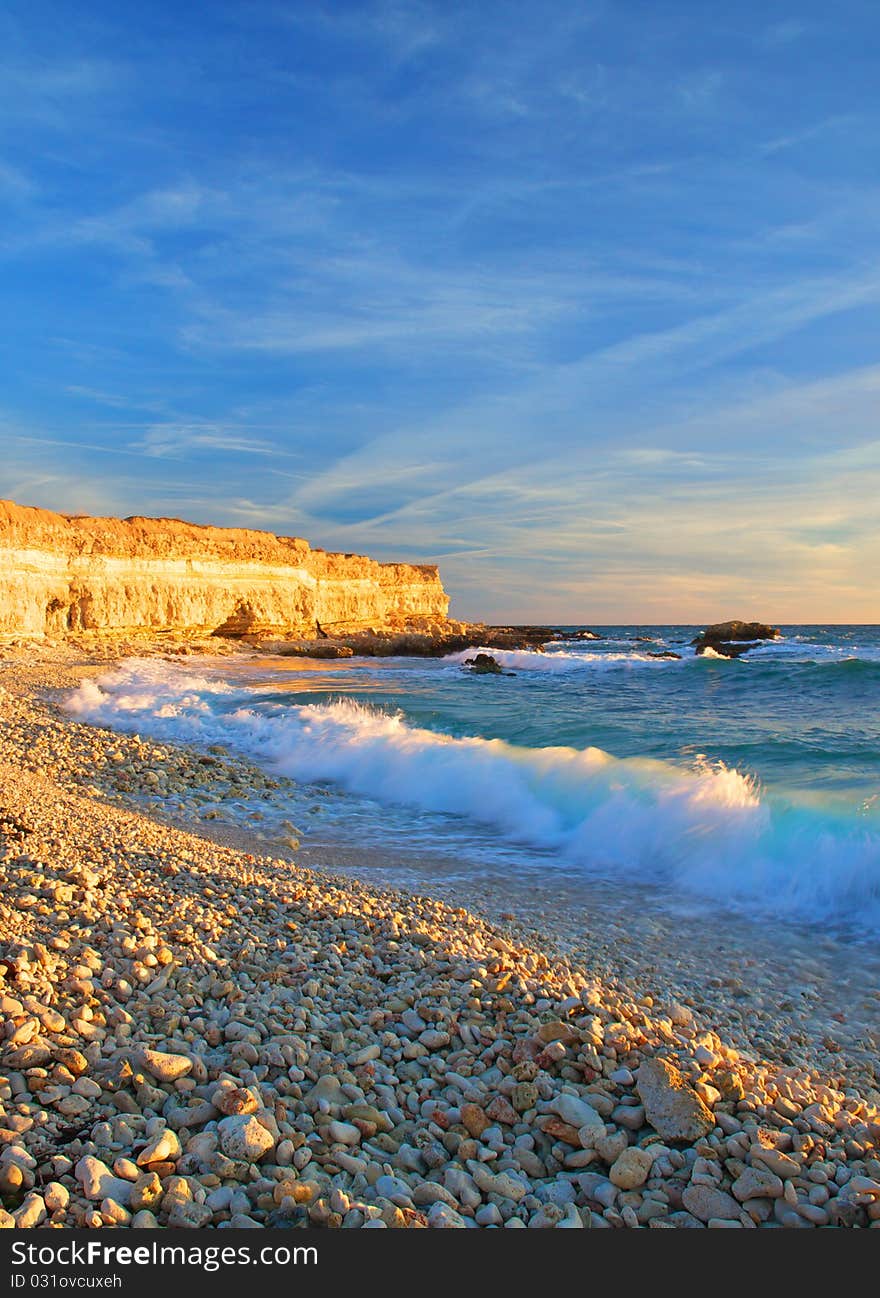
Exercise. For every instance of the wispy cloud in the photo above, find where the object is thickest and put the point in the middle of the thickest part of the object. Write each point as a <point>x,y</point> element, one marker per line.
<point>791,140</point>
<point>115,400</point>
<point>37,90</point>
<point>403,30</point>
<point>175,441</point>
<point>785,32</point>
<point>587,306</point>
<point>700,90</point>
<point>14,183</point>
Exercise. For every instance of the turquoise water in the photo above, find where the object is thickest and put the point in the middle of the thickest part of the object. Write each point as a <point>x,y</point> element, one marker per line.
<point>755,781</point>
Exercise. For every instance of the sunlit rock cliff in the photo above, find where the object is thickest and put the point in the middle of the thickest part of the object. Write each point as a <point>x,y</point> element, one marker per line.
<point>63,575</point>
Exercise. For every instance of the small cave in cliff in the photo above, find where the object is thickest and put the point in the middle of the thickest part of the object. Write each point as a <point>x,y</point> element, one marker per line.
<point>57,616</point>
<point>79,612</point>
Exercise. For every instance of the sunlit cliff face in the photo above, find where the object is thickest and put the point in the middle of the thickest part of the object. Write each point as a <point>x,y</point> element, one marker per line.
<point>62,575</point>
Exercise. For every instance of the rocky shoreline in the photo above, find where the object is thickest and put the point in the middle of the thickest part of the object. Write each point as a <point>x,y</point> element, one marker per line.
<point>199,1032</point>
<point>432,640</point>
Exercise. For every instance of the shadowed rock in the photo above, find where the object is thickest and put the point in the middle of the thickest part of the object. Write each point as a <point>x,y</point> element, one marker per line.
<point>732,639</point>
<point>424,638</point>
<point>484,664</point>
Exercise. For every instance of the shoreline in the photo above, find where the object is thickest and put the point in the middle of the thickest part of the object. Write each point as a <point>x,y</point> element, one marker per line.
<point>824,978</point>
<point>610,988</point>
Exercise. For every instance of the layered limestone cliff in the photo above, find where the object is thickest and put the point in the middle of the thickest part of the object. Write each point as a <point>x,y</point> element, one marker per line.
<point>63,575</point>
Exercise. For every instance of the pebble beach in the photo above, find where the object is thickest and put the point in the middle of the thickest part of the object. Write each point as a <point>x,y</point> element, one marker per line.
<point>205,1026</point>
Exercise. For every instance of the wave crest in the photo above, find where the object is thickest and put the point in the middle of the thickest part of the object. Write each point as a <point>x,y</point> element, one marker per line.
<point>558,660</point>
<point>706,828</point>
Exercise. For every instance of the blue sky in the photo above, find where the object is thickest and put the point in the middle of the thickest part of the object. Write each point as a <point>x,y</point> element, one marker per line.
<point>580,300</point>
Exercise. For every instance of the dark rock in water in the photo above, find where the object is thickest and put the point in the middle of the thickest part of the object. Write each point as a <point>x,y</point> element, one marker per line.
<point>486,665</point>
<point>483,663</point>
<point>731,639</point>
<point>729,650</point>
<point>733,631</point>
<point>665,653</point>
<point>586,635</point>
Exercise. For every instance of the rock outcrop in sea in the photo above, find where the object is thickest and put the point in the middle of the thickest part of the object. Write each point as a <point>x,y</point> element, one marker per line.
<point>732,639</point>
<point>483,664</point>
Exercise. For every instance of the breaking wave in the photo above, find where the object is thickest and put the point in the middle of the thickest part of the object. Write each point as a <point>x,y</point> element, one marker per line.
<point>559,660</point>
<point>705,828</point>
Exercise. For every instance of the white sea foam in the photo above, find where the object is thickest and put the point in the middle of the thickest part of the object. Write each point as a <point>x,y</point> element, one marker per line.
<point>145,687</point>
<point>706,828</point>
<point>801,650</point>
<point>559,660</point>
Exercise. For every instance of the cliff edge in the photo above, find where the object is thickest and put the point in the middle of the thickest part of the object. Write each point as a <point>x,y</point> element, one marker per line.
<point>64,574</point>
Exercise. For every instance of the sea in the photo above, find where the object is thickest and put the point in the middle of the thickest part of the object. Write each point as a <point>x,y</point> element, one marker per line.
<point>749,784</point>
